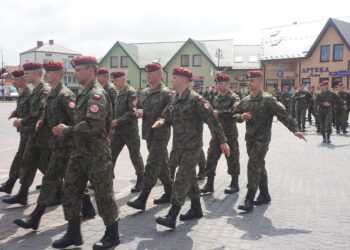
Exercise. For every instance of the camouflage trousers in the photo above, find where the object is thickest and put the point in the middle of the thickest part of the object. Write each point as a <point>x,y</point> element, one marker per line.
<point>53,178</point>
<point>325,117</point>
<point>201,162</point>
<point>185,184</point>
<point>257,175</point>
<point>300,113</point>
<point>16,163</point>
<point>97,168</point>
<point>157,164</point>
<point>341,118</point>
<point>214,154</point>
<point>131,139</point>
<point>36,156</point>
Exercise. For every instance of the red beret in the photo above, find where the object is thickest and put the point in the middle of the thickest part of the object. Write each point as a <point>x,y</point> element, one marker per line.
<point>153,67</point>
<point>32,66</point>
<point>117,73</point>
<point>254,74</point>
<point>324,83</point>
<point>18,73</point>
<point>53,66</point>
<point>102,71</point>
<point>82,60</point>
<point>181,71</point>
<point>222,78</point>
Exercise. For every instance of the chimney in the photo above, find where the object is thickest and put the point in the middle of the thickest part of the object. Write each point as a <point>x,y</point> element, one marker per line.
<point>51,42</point>
<point>39,44</point>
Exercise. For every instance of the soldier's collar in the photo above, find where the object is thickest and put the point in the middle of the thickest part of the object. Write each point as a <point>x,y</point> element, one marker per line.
<point>89,87</point>
<point>184,95</point>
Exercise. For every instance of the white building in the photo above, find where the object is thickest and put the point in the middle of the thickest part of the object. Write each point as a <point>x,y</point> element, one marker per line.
<point>52,52</point>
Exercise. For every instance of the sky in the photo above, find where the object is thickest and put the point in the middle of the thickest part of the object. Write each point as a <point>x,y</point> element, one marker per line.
<point>92,27</point>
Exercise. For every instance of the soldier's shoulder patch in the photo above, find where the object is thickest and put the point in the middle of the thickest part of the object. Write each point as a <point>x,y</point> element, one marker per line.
<point>94,108</point>
<point>96,97</point>
<point>71,105</point>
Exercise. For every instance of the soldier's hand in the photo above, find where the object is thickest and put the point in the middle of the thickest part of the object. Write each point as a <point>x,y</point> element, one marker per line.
<point>246,116</point>
<point>58,130</point>
<point>39,125</point>
<point>158,124</point>
<point>300,135</point>
<point>12,115</point>
<point>114,123</point>
<point>216,113</point>
<point>17,123</point>
<point>139,113</point>
<point>225,149</point>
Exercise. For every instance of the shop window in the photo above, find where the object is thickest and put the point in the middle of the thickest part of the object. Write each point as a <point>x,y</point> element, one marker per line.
<point>185,60</point>
<point>306,82</point>
<point>338,52</point>
<point>113,62</point>
<point>123,61</point>
<point>324,55</point>
<point>197,60</point>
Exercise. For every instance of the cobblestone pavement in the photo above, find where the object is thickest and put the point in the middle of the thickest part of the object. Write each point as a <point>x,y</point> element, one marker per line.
<point>310,208</point>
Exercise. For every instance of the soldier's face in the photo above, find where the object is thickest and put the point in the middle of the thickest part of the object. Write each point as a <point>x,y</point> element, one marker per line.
<point>254,84</point>
<point>29,76</point>
<point>103,79</point>
<point>82,74</point>
<point>51,76</point>
<point>20,82</point>
<point>120,82</point>
<point>223,86</point>
<point>154,77</point>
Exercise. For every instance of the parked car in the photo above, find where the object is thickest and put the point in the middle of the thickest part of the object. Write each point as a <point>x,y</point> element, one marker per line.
<point>10,93</point>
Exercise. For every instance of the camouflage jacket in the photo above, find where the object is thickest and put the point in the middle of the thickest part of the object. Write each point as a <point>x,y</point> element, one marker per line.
<point>59,108</point>
<point>186,114</point>
<point>153,102</point>
<point>124,108</point>
<point>90,127</point>
<point>112,93</point>
<point>286,98</point>
<point>226,104</point>
<point>37,105</point>
<point>302,98</point>
<point>344,100</point>
<point>263,108</point>
<point>23,108</point>
<point>322,97</point>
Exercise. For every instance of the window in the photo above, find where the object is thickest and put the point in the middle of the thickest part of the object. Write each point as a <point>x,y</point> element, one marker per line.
<point>324,55</point>
<point>123,61</point>
<point>197,60</point>
<point>48,54</point>
<point>336,80</point>
<point>338,52</point>
<point>238,59</point>
<point>253,59</point>
<point>67,64</point>
<point>306,82</point>
<point>185,60</point>
<point>113,62</point>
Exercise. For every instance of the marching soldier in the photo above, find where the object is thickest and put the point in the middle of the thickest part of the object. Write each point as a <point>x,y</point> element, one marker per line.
<point>326,100</point>
<point>103,79</point>
<point>22,111</point>
<point>125,127</point>
<point>90,159</point>
<point>301,99</point>
<point>258,110</point>
<point>224,105</point>
<point>186,113</point>
<point>155,99</point>
<point>37,152</point>
<point>286,98</point>
<point>344,107</point>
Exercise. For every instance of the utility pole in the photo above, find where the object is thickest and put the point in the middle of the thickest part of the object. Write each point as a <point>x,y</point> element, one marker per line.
<point>218,54</point>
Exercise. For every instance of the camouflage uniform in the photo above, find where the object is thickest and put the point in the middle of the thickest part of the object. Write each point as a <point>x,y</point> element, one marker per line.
<point>91,157</point>
<point>153,102</point>
<point>186,113</point>
<point>301,99</point>
<point>286,100</point>
<point>59,108</point>
<point>22,111</point>
<point>326,113</point>
<point>344,100</point>
<point>127,130</point>
<point>225,104</point>
<point>258,133</point>
<point>112,93</point>
<point>37,152</point>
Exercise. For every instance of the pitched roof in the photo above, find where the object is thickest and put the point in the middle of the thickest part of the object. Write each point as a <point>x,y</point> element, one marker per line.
<point>52,48</point>
<point>343,29</point>
<point>296,40</point>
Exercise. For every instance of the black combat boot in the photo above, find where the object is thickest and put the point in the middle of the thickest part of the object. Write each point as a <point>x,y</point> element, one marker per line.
<point>71,237</point>
<point>264,196</point>
<point>195,211</point>
<point>233,188</point>
<point>201,174</point>
<point>209,186</point>
<point>8,185</point>
<point>87,208</point>
<point>248,204</point>
<point>140,202</point>
<point>303,128</point>
<point>328,138</point>
<point>138,186</point>
<point>165,198</point>
<point>324,138</point>
<point>33,220</point>
<point>344,131</point>
<point>170,219</point>
<point>338,129</point>
<point>110,239</point>
<point>20,198</point>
